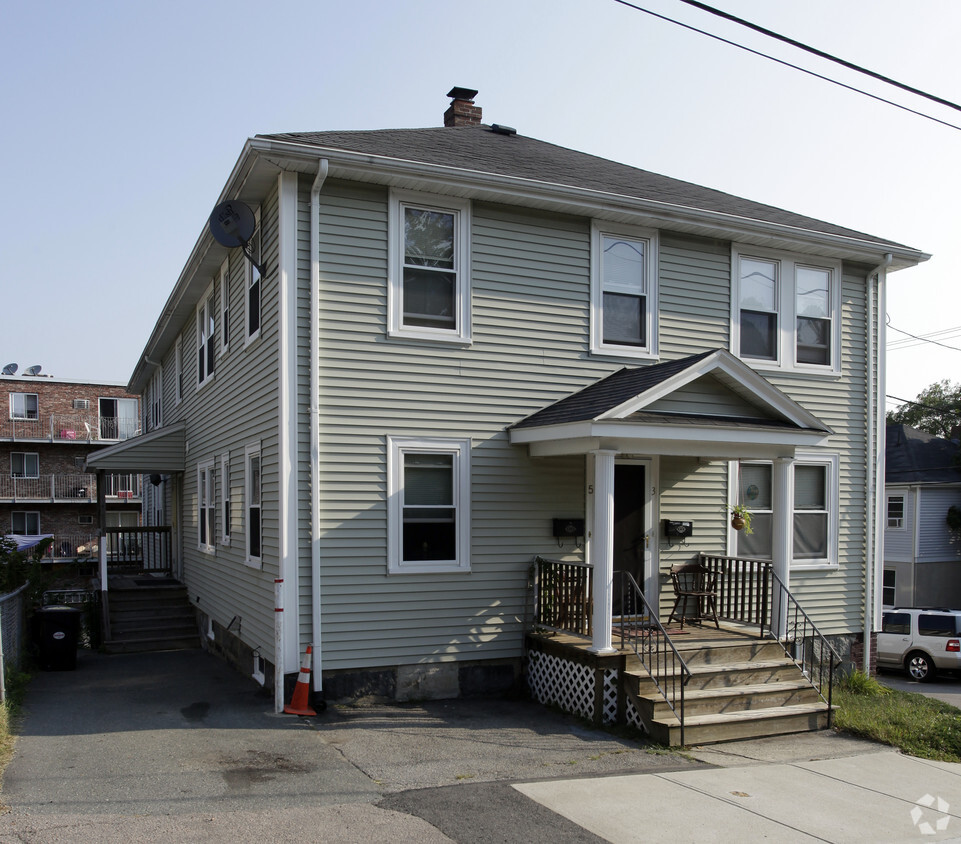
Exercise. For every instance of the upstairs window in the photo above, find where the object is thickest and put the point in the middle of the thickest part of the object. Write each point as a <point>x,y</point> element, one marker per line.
<point>24,406</point>
<point>895,512</point>
<point>623,291</point>
<point>178,370</point>
<point>206,338</point>
<point>155,393</point>
<point>25,522</point>
<point>429,295</point>
<point>254,281</point>
<point>25,464</point>
<point>224,306</point>
<point>786,311</point>
<point>225,496</point>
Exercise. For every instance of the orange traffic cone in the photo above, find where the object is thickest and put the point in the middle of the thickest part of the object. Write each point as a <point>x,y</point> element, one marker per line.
<point>300,702</point>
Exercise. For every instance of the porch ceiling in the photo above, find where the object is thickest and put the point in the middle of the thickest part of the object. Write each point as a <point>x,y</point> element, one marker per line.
<point>159,451</point>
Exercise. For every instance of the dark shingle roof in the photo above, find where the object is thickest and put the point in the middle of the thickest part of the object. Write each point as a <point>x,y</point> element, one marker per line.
<point>479,149</point>
<point>608,393</point>
<point>913,456</point>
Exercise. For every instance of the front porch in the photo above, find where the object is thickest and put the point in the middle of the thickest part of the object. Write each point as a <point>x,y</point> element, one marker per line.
<point>690,684</point>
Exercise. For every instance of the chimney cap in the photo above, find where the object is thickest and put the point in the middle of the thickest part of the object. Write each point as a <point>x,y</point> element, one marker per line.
<point>462,93</point>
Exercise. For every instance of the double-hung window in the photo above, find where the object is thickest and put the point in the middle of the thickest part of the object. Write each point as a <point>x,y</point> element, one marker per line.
<point>786,310</point>
<point>252,489</point>
<point>155,393</point>
<point>24,406</point>
<point>429,510</point>
<point>179,370</point>
<point>253,298</point>
<point>206,338</point>
<point>814,516</point>
<point>24,464</point>
<point>429,288</point>
<point>895,512</point>
<point>623,291</point>
<point>225,497</point>
<point>224,306</point>
<point>205,506</point>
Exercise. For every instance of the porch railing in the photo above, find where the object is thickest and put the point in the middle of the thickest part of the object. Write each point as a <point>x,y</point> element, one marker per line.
<point>743,588</point>
<point>749,592</point>
<point>144,548</point>
<point>803,643</point>
<point>68,488</point>
<point>642,632</point>
<point>87,427</point>
<point>563,596</point>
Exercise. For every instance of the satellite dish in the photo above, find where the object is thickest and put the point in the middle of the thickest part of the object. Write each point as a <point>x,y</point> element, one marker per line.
<point>232,223</point>
<point>10,369</point>
<point>33,370</point>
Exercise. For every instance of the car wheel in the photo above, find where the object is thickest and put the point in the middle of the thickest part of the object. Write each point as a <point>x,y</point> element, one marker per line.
<point>920,667</point>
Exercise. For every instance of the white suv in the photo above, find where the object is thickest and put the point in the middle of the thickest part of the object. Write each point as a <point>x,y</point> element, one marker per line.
<point>921,641</point>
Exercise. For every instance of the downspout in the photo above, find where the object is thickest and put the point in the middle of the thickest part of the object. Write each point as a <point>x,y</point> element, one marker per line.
<point>323,168</point>
<point>875,419</point>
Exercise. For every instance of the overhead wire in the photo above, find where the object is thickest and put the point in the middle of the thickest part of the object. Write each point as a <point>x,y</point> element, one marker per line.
<point>786,63</point>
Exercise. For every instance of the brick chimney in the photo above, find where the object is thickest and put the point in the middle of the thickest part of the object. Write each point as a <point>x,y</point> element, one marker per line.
<point>462,111</point>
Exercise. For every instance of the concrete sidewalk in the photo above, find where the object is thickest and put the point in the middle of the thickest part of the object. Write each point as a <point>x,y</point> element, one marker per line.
<point>869,797</point>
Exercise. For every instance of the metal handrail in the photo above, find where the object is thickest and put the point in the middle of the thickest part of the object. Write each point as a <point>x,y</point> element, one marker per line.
<point>803,642</point>
<point>642,631</point>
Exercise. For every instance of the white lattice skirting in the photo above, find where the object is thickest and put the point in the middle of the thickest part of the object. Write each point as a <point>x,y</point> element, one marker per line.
<point>568,685</point>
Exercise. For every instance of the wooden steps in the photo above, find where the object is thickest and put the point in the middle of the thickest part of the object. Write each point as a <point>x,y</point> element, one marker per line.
<point>151,618</point>
<point>740,687</point>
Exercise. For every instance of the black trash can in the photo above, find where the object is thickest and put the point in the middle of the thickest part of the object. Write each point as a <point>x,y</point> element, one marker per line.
<point>59,632</point>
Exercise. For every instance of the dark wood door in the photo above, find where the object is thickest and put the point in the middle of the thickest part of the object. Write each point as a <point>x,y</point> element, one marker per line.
<point>629,527</point>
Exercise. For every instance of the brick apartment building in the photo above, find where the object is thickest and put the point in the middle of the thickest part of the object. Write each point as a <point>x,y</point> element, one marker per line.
<point>48,428</point>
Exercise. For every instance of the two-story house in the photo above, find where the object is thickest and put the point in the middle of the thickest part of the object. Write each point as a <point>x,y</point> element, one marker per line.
<point>922,527</point>
<point>460,349</point>
<point>49,428</point>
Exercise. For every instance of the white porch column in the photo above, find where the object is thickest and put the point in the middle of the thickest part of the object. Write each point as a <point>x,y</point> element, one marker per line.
<point>602,551</point>
<point>782,540</point>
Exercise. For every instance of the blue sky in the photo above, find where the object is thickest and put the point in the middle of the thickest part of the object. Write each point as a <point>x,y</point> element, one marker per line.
<point>124,119</point>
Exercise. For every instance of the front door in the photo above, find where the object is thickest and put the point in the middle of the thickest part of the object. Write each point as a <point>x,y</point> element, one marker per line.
<point>630,526</point>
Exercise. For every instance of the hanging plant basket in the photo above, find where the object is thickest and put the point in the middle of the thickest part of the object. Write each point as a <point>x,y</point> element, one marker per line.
<point>737,523</point>
<point>740,517</point>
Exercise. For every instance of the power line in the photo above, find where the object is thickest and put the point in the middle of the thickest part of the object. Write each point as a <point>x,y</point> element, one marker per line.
<point>924,339</point>
<point>821,76</point>
<point>820,53</point>
<point>939,410</point>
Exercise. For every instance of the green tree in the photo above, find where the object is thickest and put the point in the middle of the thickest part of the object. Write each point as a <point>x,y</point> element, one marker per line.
<point>936,409</point>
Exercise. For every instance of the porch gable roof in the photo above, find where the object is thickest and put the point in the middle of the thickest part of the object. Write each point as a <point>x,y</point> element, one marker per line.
<point>650,409</point>
<point>161,450</point>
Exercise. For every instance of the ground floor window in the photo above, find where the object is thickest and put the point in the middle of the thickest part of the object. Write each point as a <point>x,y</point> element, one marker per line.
<point>252,505</point>
<point>888,588</point>
<point>429,494</point>
<point>814,516</point>
<point>205,506</point>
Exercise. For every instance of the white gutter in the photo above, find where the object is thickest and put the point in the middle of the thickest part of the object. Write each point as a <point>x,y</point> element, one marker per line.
<point>317,682</point>
<point>873,561</point>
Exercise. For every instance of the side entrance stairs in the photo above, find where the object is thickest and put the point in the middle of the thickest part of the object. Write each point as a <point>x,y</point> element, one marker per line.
<point>739,688</point>
<point>155,617</point>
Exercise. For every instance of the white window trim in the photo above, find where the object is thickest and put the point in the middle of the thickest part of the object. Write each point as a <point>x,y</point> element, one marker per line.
<point>904,511</point>
<point>253,450</point>
<point>225,500</point>
<point>178,370</point>
<point>256,239</point>
<point>397,447</point>
<point>650,237</point>
<point>787,309</point>
<point>206,308</point>
<point>460,208</point>
<point>832,462</point>
<point>224,308</point>
<point>36,397</point>
<point>205,492</point>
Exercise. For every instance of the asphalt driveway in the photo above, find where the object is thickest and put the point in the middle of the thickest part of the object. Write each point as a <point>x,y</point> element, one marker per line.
<point>179,745</point>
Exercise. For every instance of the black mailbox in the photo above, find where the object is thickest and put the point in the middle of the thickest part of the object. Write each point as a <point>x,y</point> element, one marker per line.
<point>678,529</point>
<point>568,528</point>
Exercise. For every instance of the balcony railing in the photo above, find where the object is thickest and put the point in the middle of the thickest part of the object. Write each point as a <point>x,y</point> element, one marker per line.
<point>69,488</point>
<point>64,427</point>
